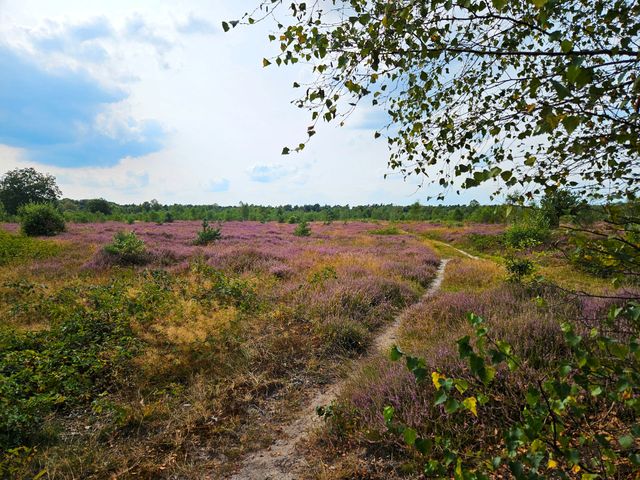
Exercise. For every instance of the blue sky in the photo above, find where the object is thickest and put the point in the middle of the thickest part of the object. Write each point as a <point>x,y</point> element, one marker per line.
<point>150,99</point>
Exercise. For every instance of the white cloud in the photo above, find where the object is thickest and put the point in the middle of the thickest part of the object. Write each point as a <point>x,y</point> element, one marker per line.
<point>225,116</point>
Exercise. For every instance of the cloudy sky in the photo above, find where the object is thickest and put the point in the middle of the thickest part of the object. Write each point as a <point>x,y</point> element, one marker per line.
<point>134,100</point>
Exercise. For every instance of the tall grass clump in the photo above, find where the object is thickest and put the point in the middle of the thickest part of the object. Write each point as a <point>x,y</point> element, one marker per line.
<point>40,219</point>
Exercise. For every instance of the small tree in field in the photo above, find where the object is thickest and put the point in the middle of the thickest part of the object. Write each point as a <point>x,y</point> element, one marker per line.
<point>303,229</point>
<point>25,185</point>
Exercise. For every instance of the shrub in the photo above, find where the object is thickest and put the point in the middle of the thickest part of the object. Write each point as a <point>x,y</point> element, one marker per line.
<point>302,230</point>
<point>41,219</point>
<point>127,249</point>
<point>207,235</point>
<point>527,234</point>
<point>519,268</point>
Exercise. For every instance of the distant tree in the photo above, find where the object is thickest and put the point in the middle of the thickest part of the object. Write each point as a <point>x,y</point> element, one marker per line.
<point>21,186</point>
<point>244,211</point>
<point>99,205</point>
<point>556,204</point>
<point>302,230</point>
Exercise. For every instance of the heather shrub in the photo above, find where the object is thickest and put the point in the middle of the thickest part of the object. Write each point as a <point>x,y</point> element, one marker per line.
<point>343,336</point>
<point>127,249</point>
<point>207,235</point>
<point>244,259</point>
<point>40,219</point>
<point>302,230</point>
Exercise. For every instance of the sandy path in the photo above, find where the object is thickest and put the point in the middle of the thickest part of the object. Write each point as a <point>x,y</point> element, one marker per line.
<point>281,460</point>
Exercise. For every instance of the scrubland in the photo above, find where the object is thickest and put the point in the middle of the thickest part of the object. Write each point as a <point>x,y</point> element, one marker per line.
<point>180,365</point>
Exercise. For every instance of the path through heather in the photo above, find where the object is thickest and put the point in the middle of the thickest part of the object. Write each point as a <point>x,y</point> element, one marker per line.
<point>281,460</point>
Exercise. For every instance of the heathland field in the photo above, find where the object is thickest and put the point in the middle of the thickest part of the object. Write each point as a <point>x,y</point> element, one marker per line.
<point>153,356</point>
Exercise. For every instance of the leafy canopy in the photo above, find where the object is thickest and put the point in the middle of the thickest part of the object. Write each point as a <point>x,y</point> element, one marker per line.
<point>531,94</point>
<point>21,186</point>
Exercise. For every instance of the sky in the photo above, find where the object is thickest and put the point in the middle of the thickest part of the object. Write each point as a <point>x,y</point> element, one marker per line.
<point>139,100</point>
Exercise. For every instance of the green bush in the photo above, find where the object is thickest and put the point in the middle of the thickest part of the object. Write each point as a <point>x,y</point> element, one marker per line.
<point>519,268</point>
<point>527,234</point>
<point>41,219</point>
<point>302,230</point>
<point>127,249</point>
<point>208,234</point>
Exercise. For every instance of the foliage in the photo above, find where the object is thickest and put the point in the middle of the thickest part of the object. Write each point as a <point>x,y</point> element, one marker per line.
<point>559,203</point>
<point>40,219</point>
<point>127,249</point>
<point>208,234</point>
<point>15,248</point>
<point>613,251</point>
<point>539,94</point>
<point>99,205</point>
<point>302,229</point>
<point>560,431</point>
<point>21,186</point>
<point>527,233</point>
<point>65,365</point>
<point>519,268</point>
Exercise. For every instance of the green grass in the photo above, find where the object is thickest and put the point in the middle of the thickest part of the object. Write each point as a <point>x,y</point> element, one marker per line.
<point>390,230</point>
<point>17,248</point>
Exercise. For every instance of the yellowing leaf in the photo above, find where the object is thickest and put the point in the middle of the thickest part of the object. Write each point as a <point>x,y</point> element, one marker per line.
<point>576,469</point>
<point>471,404</point>
<point>551,464</point>
<point>435,378</point>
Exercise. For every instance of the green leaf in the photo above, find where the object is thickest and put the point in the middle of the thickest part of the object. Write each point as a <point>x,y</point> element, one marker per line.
<point>265,62</point>
<point>424,445</point>
<point>626,441</point>
<point>410,436</point>
<point>285,151</point>
<point>499,4</point>
<point>225,26</point>
<point>570,124</point>
<point>395,354</point>
<point>566,46</point>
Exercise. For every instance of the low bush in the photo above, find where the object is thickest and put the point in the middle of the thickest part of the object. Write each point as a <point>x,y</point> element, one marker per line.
<point>207,235</point>
<point>127,249</point>
<point>519,268</point>
<point>40,219</point>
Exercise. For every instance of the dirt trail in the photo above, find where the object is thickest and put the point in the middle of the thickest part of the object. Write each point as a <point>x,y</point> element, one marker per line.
<point>281,460</point>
